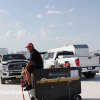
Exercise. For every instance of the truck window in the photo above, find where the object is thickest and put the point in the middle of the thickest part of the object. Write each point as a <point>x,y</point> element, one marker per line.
<point>13,57</point>
<point>64,53</point>
<point>48,56</point>
<point>51,55</point>
<point>45,57</point>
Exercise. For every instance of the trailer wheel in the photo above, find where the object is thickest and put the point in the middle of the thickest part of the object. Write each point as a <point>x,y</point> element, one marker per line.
<point>77,97</point>
<point>2,80</point>
<point>89,75</point>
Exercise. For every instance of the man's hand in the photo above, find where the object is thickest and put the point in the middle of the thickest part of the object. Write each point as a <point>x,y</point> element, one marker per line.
<point>23,70</point>
<point>29,64</point>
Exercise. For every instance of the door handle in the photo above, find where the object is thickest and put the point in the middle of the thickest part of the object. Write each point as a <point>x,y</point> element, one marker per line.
<point>51,61</point>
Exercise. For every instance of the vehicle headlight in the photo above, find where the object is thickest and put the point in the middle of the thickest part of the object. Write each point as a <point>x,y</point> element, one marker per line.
<point>5,68</point>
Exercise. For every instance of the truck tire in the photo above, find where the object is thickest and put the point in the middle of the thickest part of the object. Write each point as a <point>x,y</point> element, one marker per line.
<point>89,74</point>
<point>77,97</point>
<point>2,81</point>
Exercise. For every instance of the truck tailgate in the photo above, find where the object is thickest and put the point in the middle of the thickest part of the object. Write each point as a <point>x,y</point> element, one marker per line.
<point>86,61</point>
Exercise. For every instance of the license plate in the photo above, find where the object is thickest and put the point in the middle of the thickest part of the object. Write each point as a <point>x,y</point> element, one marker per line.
<point>18,76</point>
<point>89,68</point>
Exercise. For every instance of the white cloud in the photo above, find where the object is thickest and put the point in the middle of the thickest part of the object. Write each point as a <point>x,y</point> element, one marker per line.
<point>8,33</point>
<point>32,37</point>
<point>70,23</point>
<point>63,39</point>
<point>24,36</point>
<point>47,6</point>
<point>21,33</point>
<point>50,12</point>
<point>5,20</point>
<point>2,38</point>
<point>29,14</point>
<point>67,39</point>
<point>40,16</point>
<point>77,39</point>
<point>60,24</point>
<point>52,6</point>
<point>17,24</point>
<point>71,9</point>
<point>44,33</point>
<point>57,38</point>
<point>83,35</point>
<point>87,34</point>
<point>52,25</point>
<point>4,12</point>
<point>58,12</point>
<point>55,12</point>
<point>74,39</point>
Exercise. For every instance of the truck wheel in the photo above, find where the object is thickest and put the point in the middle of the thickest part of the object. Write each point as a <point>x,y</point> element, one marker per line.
<point>2,81</point>
<point>77,97</point>
<point>89,75</point>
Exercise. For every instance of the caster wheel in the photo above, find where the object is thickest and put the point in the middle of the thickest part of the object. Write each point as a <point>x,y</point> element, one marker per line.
<point>32,98</point>
<point>77,97</point>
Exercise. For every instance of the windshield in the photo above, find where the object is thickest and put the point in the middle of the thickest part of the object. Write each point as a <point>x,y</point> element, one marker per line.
<point>64,53</point>
<point>13,57</point>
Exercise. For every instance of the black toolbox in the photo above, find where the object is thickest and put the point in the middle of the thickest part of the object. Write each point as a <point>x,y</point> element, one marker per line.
<point>57,84</point>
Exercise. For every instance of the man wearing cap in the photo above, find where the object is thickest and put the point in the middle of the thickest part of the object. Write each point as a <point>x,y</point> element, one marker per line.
<point>35,62</point>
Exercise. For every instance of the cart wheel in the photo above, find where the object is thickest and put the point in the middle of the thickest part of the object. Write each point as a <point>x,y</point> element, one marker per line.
<point>32,98</point>
<point>77,97</point>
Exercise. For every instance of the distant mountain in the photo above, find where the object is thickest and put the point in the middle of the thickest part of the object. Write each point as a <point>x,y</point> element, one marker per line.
<point>98,51</point>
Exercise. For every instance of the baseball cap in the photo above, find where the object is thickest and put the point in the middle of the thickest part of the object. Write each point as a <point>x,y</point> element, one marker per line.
<point>29,45</point>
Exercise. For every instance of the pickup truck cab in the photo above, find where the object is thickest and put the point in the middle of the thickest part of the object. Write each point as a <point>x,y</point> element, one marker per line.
<point>89,65</point>
<point>11,66</point>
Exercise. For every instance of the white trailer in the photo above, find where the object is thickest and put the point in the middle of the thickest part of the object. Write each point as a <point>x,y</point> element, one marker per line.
<point>3,51</point>
<point>82,50</point>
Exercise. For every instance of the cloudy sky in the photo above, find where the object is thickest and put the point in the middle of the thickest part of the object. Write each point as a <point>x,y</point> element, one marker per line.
<point>49,23</point>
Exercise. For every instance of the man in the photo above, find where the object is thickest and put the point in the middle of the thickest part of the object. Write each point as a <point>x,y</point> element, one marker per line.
<point>35,62</point>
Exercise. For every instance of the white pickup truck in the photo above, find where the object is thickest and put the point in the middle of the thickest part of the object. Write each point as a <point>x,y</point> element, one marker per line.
<point>89,65</point>
<point>11,66</point>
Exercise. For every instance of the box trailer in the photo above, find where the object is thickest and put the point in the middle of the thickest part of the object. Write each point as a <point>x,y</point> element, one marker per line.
<point>82,50</point>
<point>3,51</point>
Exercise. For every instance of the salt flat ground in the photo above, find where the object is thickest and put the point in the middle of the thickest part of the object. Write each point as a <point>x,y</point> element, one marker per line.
<point>90,89</point>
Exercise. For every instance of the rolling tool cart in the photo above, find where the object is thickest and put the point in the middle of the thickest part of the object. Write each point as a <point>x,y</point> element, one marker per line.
<point>56,84</point>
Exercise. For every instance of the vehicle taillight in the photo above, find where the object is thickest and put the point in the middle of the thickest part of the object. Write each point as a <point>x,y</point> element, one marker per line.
<point>99,60</point>
<point>77,62</point>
